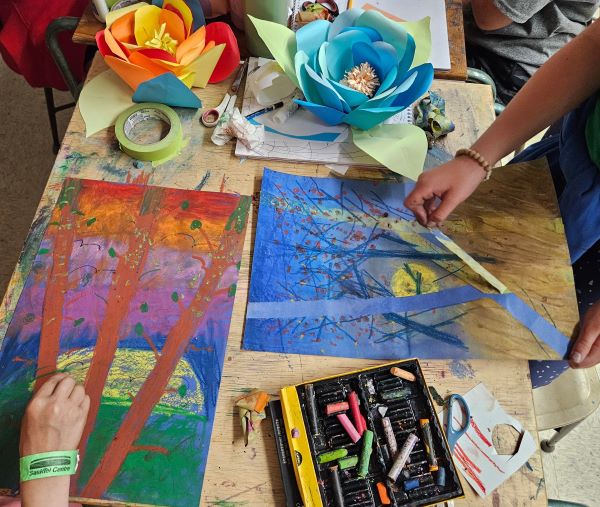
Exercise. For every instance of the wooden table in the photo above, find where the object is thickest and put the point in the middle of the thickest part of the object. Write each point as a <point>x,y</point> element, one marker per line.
<point>89,25</point>
<point>249,476</point>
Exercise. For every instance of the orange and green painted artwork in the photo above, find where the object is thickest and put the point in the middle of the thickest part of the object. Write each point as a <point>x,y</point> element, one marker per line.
<point>131,292</point>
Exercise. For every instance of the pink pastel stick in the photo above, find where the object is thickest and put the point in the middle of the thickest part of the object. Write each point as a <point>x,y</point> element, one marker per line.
<point>355,410</point>
<point>349,427</point>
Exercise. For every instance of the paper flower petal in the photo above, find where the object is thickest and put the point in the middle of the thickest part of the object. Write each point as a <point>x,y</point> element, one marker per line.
<point>328,115</point>
<point>388,56</point>
<point>345,19</point>
<point>157,54</point>
<point>146,22</point>
<point>388,82</point>
<point>329,97</point>
<point>363,52</point>
<point>132,74</point>
<point>370,32</point>
<point>339,53</point>
<point>424,76</point>
<point>306,84</point>
<point>180,7</point>
<point>138,58</point>
<point>112,16</point>
<point>198,38</point>
<point>123,29</point>
<point>221,33</point>
<point>352,97</point>
<point>401,148</point>
<point>281,42</point>
<point>205,64</point>
<point>173,25</point>
<point>391,31</point>
<point>166,89</point>
<point>102,45</point>
<point>310,37</point>
<point>116,48</point>
<point>366,119</point>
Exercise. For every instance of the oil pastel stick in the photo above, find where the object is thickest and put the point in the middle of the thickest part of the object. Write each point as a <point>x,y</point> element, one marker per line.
<point>399,372</point>
<point>396,394</point>
<point>389,436</point>
<point>348,462</point>
<point>349,427</point>
<point>403,455</point>
<point>365,455</point>
<point>440,479</point>
<point>340,406</point>
<point>338,493</point>
<point>411,484</point>
<point>328,456</point>
<point>309,390</point>
<point>383,494</point>
<point>428,441</point>
<point>355,411</point>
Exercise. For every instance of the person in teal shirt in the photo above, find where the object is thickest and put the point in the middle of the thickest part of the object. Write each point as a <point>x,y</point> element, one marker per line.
<point>567,85</point>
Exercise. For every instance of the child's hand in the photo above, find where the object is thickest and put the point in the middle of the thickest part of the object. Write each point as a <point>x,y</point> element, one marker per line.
<point>586,351</point>
<point>55,417</point>
<point>452,183</point>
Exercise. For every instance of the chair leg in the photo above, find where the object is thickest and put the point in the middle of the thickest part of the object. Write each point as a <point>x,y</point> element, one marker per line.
<point>52,118</point>
<point>549,445</point>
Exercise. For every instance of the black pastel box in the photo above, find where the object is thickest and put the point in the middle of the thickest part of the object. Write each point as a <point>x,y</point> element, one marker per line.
<point>365,438</point>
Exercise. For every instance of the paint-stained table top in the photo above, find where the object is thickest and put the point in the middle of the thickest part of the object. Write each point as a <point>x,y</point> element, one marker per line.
<point>89,25</point>
<point>514,217</point>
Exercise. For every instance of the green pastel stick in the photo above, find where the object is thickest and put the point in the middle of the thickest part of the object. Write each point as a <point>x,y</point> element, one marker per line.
<point>349,462</point>
<point>365,455</point>
<point>326,457</point>
<point>395,395</point>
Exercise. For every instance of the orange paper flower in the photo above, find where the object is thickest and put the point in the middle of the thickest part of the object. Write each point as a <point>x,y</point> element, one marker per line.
<point>147,41</point>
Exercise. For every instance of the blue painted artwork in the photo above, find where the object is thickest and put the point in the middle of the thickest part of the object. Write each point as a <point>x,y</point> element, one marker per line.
<point>339,268</point>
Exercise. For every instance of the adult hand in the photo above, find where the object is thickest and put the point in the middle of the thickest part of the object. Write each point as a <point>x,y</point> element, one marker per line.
<point>586,351</point>
<point>55,417</point>
<point>451,183</point>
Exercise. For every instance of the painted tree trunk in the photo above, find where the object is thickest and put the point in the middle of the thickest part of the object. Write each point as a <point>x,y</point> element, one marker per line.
<point>124,285</point>
<point>173,350</point>
<point>57,285</point>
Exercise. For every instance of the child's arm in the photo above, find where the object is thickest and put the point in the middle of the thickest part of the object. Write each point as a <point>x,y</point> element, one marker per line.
<point>563,82</point>
<point>54,421</point>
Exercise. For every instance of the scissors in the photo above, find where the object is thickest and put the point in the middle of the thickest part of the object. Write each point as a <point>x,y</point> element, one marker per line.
<point>211,117</point>
<point>452,435</point>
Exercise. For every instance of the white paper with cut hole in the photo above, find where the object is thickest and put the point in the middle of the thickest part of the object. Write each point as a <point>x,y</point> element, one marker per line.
<point>475,455</point>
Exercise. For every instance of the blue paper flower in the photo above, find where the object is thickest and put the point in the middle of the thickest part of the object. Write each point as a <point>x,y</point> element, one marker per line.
<point>358,69</point>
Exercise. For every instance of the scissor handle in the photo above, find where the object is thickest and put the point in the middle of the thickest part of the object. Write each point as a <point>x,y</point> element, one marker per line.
<point>453,435</point>
<point>211,117</point>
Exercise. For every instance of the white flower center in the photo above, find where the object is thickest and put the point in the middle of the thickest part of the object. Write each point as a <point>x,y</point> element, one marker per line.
<point>362,78</point>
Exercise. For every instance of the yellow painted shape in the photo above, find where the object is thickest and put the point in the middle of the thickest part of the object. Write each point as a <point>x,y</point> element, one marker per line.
<point>402,284</point>
<point>146,23</point>
<point>205,65</point>
<point>129,370</point>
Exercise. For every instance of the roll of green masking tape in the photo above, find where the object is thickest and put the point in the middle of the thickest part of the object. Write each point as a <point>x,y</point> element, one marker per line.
<point>165,148</point>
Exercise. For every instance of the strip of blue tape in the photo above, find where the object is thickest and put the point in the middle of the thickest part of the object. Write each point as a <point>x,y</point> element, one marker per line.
<point>351,307</point>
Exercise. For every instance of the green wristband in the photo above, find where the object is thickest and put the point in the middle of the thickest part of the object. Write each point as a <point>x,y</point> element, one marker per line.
<point>48,464</point>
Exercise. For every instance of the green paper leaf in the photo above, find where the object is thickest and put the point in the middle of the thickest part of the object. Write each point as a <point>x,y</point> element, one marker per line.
<point>401,148</point>
<point>281,42</point>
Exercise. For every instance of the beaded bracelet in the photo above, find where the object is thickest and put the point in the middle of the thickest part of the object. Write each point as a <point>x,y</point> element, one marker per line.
<point>477,157</point>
